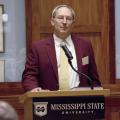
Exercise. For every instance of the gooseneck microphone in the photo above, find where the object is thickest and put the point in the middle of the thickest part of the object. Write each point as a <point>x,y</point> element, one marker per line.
<point>66,50</point>
<point>70,57</point>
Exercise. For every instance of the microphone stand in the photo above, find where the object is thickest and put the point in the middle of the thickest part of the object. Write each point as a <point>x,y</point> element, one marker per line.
<point>70,57</point>
<point>80,73</point>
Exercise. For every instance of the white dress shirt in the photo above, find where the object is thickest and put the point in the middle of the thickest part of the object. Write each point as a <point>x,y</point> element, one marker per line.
<point>74,77</point>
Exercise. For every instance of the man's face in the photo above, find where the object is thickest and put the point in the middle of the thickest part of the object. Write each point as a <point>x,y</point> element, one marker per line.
<point>62,22</point>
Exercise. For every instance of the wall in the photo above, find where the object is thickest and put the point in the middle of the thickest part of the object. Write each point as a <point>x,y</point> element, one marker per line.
<point>14,31</point>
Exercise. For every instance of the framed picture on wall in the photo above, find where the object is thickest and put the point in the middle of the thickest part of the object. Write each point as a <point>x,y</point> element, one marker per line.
<point>2,70</point>
<point>1,29</point>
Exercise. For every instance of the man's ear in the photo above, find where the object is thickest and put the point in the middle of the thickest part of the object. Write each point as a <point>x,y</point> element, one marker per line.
<point>52,21</point>
<point>73,22</point>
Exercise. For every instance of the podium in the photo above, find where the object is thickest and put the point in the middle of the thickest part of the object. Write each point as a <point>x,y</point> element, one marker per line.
<point>65,105</point>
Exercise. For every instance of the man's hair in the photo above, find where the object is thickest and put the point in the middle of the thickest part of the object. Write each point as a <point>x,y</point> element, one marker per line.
<point>7,112</point>
<point>60,6</point>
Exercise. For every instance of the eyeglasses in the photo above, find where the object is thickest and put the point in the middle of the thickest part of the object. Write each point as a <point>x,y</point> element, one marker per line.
<point>62,18</point>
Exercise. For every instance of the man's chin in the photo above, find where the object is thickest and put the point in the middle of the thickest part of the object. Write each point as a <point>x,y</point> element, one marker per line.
<point>63,32</point>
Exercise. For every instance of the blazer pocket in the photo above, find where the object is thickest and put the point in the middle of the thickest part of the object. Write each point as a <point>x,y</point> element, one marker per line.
<point>85,60</point>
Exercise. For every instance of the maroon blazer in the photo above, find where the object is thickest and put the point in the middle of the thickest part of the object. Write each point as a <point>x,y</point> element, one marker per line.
<point>41,65</point>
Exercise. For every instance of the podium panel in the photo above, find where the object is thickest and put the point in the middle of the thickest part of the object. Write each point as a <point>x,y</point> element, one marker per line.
<point>69,108</point>
<point>65,105</point>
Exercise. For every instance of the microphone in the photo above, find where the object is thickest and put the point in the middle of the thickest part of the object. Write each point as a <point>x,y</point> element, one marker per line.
<point>66,50</point>
<point>70,57</point>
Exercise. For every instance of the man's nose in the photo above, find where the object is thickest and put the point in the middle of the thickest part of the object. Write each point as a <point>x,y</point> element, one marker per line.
<point>64,20</point>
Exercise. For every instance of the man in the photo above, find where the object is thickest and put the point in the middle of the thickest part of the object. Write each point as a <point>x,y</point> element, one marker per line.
<point>7,112</point>
<point>43,61</point>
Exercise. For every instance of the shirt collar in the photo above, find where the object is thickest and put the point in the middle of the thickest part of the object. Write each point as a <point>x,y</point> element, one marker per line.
<point>57,40</point>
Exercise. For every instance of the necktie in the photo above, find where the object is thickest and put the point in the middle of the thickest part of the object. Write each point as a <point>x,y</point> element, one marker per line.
<point>63,71</point>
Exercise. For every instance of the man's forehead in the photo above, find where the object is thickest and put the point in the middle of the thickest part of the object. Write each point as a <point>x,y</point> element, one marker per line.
<point>64,10</point>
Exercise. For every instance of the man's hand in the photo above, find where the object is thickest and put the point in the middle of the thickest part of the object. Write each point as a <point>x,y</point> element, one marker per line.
<point>38,89</point>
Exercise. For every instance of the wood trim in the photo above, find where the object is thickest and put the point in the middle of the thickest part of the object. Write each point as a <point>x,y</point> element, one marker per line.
<point>112,107</point>
<point>28,10</point>
<point>112,41</point>
<point>11,88</point>
<point>118,81</point>
<point>78,92</point>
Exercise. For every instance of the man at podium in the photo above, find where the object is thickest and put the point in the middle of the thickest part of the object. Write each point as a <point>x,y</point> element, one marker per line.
<point>62,62</point>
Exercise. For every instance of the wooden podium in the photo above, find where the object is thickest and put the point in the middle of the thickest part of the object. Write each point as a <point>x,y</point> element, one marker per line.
<point>64,105</point>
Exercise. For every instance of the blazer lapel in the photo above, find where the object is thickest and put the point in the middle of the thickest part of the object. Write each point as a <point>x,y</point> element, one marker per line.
<point>50,47</point>
<point>78,52</point>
